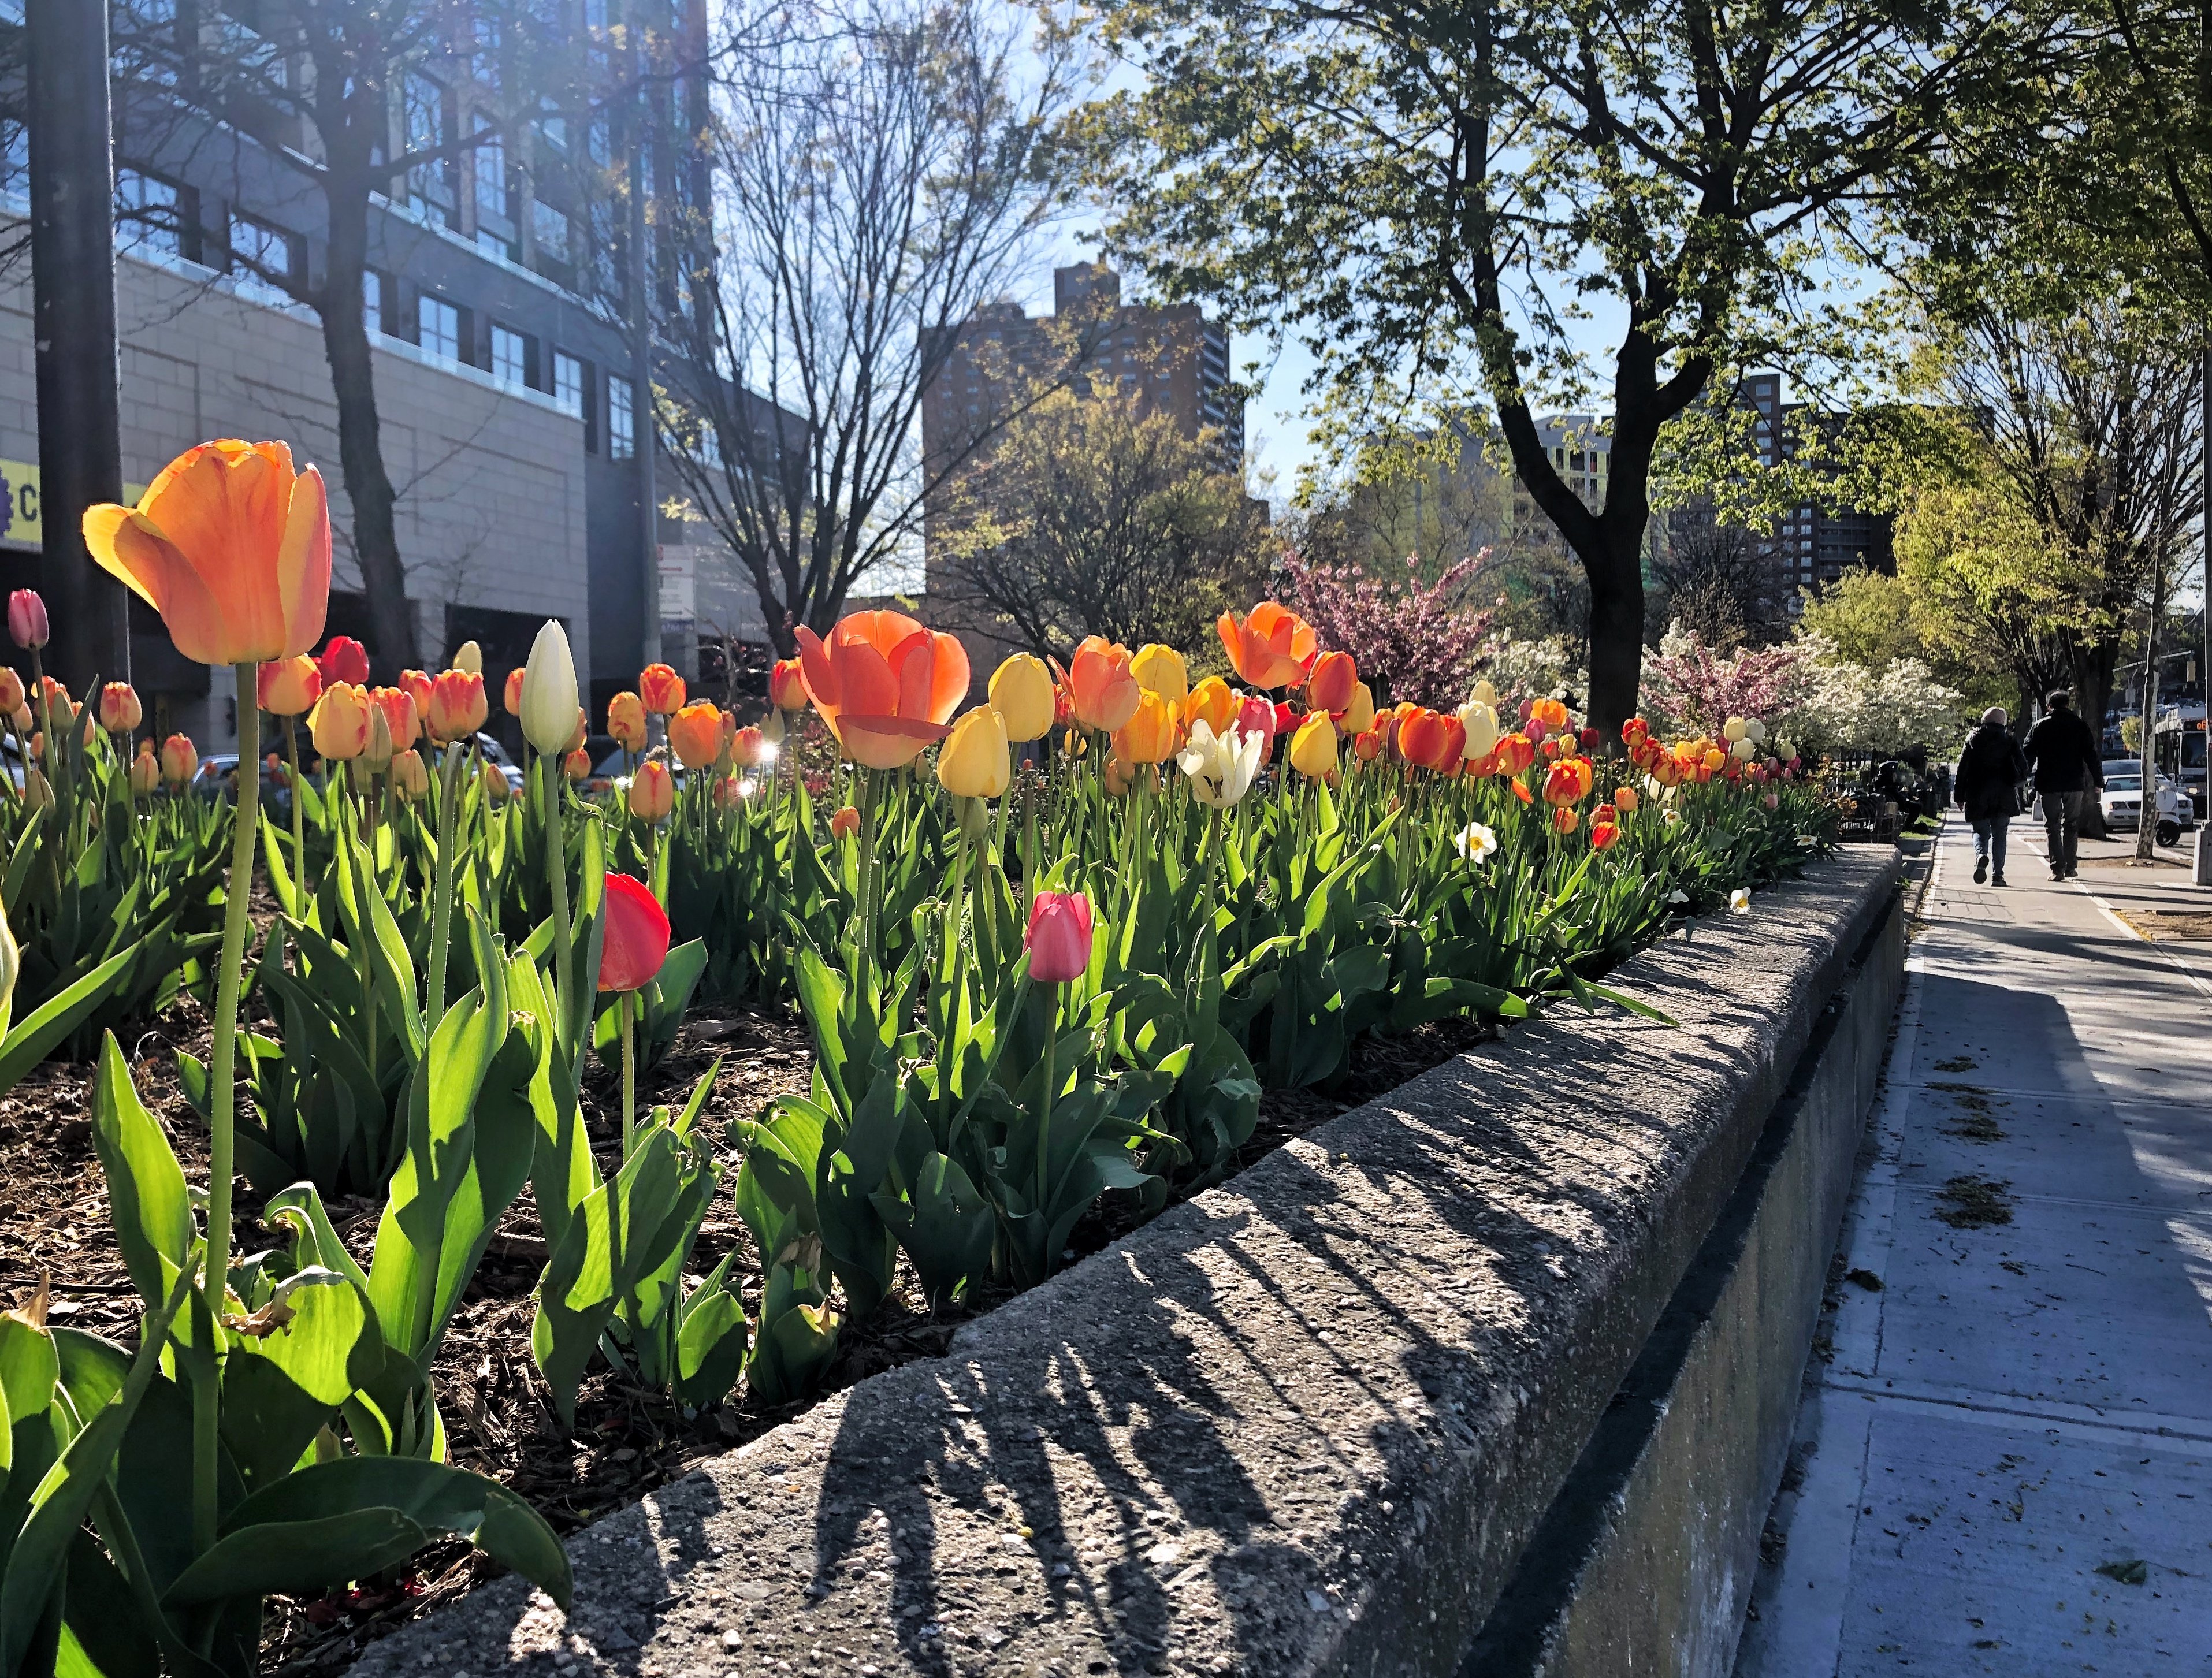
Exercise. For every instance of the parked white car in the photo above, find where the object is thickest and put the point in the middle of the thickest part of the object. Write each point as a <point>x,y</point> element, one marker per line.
<point>2123,804</point>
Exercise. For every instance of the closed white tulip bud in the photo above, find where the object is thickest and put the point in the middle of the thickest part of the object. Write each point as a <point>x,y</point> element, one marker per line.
<point>548,691</point>
<point>468,657</point>
<point>11,966</point>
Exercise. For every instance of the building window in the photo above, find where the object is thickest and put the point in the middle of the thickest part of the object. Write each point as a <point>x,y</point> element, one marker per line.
<point>423,110</point>
<point>494,247</point>
<point>147,220</point>
<point>510,356</point>
<point>438,326</point>
<point>371,302</point>
<point>490,172</point>
<point>549,231</point>
<point>595,15</point>
<point>621,424</point>
<point>569,383</point>
<point>264,255</point>
<point>483,60</point>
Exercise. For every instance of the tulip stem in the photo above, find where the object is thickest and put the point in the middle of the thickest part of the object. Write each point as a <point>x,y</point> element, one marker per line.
<point>441,886</point>
<point>1044,1124</point>
<point>622,1004</point>
<point>299,816</point>
<point>222,1099</point>
<point>556,866</point>
<point>868,778</point>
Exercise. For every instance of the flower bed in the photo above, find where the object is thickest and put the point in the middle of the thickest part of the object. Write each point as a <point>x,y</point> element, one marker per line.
<point>1043,1002</point>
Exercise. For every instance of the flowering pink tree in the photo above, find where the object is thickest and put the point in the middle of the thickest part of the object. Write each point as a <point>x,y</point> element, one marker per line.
<point>1691,684</point>
<point>1411,640</point>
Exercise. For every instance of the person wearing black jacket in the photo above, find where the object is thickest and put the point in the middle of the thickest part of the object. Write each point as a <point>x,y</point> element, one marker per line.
<point>1987,788</point>
<point>2063,751</point>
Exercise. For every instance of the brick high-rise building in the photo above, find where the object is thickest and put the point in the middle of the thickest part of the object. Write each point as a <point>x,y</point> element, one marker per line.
<point>1171,355</point>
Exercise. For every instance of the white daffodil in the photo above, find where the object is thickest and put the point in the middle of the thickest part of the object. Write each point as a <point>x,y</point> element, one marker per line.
<point>1739,901</point>
<point>1475,842</point>
<point>1670,817</point>
<point>1221,767</point>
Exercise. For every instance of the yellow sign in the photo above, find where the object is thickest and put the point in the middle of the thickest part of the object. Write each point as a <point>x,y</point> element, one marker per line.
<point>21,526</point>
<point>19,510</point>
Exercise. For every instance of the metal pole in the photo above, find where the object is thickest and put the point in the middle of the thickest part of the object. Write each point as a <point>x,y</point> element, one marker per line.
<point>2203,874</point>
<point>73,309</point>
<point>644,426</point>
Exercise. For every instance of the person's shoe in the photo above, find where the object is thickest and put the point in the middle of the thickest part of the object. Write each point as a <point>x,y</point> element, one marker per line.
<point>1981,869</point>
<point>2073,872</point>
<point>2058,876</point>
<point>1996,880</point>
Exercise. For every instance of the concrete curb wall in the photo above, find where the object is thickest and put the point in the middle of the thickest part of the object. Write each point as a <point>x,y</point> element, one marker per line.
<point>1307,1422</point>
<point>1645,1562</point>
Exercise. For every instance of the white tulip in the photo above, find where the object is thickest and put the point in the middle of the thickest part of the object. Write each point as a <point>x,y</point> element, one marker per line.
<point>1484,694</point>
<point>468,657</point>
<point>1221,767</point>
<point>1481,722</point>
<point>1744,750</point>
<point>1754,730</point>
<point>548,691</point>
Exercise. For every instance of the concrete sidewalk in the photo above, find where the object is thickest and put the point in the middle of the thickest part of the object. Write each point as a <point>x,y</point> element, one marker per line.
<point>2013,1389</point>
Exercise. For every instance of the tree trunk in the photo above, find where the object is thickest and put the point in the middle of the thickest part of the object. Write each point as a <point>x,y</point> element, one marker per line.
<point>2147,811</point>
<point>361,449</point>
<point>2095,663</point>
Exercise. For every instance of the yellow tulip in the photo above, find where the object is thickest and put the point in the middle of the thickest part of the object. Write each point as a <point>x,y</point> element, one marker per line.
<point>1313,748</point>
<point>973,762</point>
<point>1150,736</point>
<point>1021,693</point>
<point>1161,670</point>
<point>1213,702</point>
<point>1360,715</point>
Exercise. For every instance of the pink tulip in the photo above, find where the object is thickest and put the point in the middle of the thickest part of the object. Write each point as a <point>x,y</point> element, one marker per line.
<point>27,617</point>
<point>1256,715</point>
<point>1059,937</point>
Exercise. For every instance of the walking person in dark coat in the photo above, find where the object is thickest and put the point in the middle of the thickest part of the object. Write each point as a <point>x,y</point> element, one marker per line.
<point>1987,788</point>
<point>2062,750</point>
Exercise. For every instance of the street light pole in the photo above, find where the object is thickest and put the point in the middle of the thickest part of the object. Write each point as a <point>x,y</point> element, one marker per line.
<point>73,312</point>
<point>645,427</point>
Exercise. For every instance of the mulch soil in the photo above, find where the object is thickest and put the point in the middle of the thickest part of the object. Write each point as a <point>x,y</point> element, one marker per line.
<point>498,1413</point>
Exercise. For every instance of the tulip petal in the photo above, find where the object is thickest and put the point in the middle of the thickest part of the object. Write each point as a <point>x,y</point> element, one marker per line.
<point>135,549</point>
<point>303,562</point>
<point>816,669</point>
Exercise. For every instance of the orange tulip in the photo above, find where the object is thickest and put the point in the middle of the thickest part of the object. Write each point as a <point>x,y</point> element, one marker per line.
<point>729,791</point>
<point>695,734</point>
<point>415,683</point>
<point>398,707</point>
<point>496,791</point>
<point>231,546</point>
<point>1213,702</point>
<point>580,732</point>
<point>1432,738</point>
<point>286,687</point>
<point>411,777</point>
<point>1102,690</point>
<point>748,747</point>
<point>886,686</point>
<point>456,707</point>
<point>1565,819</point>
<point>11,690</point>
<point>339,723</point>
<point>1626,798</point>
<point>1367,744</point>
<point>652,790</point>
<point>512,698</point>
<point>1119,776</point>
<point>1150,736</point>
<point>145,769</point>
<point>787,686</point>
<point>180,759</point>
<point>577,765</point>
<point>845,823</point>
<point>662,689</point>
<point>1331,686</point>
<point>1272,648</point>
<point>1549,712</point>
<point>120,710</point>
<point>1515,753</point>
<point>1568,782</point>
<point>1603,833</point>
<point>626,720</point>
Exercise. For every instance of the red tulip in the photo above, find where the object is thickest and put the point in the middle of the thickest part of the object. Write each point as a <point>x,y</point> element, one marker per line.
<point>1330,686</point>
<point>344,660</point>
<point>845,823</point>
<point>1255,715</point>
<point>636,940</point>
<point>513,698</point>
<point>27,619</point>
<point>1059,937</point>
<point>787,686</point>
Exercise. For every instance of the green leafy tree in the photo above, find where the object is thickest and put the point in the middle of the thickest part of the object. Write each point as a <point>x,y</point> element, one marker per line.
<point>1091,516</point>
<point>1430,197</point>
